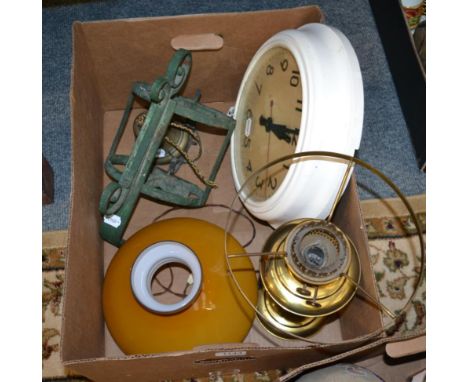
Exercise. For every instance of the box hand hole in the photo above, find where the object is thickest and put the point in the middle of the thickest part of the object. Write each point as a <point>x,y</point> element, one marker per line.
<point>194,42</point>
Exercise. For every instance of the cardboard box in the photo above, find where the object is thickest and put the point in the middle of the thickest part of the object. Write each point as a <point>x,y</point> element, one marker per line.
<point>107,58</point>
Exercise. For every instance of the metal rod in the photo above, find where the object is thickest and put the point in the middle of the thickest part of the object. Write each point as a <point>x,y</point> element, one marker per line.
<point>275,254</point>
<point>340,190</point>
<point>373,170</point>
<point>374,300</point>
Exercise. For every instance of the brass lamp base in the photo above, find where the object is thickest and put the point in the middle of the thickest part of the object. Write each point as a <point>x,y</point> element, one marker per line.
<point>279,322</point>
<point>317,276</point>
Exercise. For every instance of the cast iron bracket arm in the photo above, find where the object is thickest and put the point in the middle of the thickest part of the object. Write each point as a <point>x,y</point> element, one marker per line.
<point>112,157</point>
<point>197,112</point>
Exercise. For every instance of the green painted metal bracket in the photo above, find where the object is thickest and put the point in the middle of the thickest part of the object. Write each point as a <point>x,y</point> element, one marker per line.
<point>141,174</point>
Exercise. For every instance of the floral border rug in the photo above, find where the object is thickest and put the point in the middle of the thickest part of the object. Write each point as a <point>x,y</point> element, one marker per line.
<point>394,251</point>
<point>396,257</point>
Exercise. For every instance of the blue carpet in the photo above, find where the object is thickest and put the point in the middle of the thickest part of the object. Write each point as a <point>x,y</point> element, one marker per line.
<point>385,142</point>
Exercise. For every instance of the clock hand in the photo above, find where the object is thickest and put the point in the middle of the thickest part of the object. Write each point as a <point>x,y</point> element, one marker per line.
<point>282,132</point>
<point>267,122</point>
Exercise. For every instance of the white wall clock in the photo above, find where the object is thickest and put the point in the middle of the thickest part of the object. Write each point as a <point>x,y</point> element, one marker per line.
<point>302,91</point>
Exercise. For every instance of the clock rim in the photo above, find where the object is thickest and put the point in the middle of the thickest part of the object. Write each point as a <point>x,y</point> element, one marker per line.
<point>280,40</point>
<point>308,43</point>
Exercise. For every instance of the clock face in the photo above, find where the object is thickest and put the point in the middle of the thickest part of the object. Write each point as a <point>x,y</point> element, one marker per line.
<point>268,119</point>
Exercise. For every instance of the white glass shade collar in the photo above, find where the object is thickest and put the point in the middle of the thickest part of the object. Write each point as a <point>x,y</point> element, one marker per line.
<point>154,258</point>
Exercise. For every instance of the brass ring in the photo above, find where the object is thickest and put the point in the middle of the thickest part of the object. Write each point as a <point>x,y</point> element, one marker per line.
<point>390,183</point>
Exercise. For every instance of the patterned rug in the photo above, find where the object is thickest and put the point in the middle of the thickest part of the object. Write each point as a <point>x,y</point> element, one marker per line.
<point>395,256</point>
<point>394,252</point>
